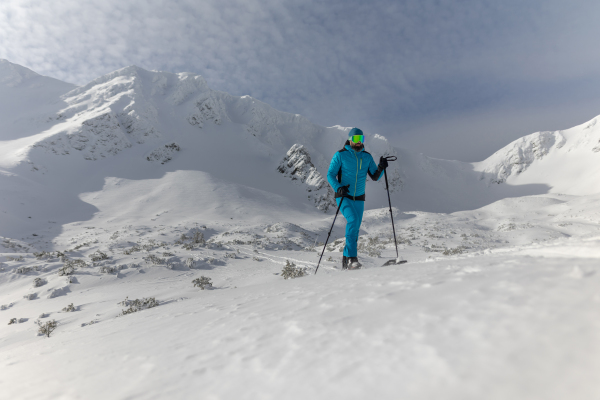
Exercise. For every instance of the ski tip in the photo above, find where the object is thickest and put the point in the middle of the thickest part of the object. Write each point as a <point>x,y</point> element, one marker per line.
<point>394,262</point>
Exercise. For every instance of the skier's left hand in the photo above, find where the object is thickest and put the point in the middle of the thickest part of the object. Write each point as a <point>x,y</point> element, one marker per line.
<point>383,163</point>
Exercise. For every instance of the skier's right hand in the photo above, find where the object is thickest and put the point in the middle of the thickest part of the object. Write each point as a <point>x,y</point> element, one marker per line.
<point>343,190</point>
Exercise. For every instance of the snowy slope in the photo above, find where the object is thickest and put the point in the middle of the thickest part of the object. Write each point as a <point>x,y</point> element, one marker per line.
<point>567,161</point>
<point>140,182</point>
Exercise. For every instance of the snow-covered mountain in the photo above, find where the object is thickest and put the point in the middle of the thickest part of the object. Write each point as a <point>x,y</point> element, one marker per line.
<point>567,161</point>
<point>121,198</point>
<point>134,125</point>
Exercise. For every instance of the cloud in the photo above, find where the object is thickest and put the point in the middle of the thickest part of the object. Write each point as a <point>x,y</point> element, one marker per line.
<point>384,65</point>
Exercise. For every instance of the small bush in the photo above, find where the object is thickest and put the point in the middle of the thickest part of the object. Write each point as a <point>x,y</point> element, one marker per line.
<point>199,238</point>
<point>190,263</point>
<point>25,270</point>
<point>138,304</point>
<point>453,251</point>
<point>203,283</point>
<point>290,271</point>
<point>12,321</point>
<point>107,269</point>
<point>46,328</point>
<point>20,258</point>
<point>98,256</point>
<point>167,254</point>
<point>188,246</point>
<point>132,250</point>
<point>154,259</point>
<point>69,308</point>
<point>37,282</point>
<point>66,269</point>
<point>42,255</point>
<point>30,296</point>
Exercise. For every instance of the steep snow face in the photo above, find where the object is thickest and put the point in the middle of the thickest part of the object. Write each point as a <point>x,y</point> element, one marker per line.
<point>12,75</point>
<point>567,161</point>
<point>27,100</point>
<point>297,167</point>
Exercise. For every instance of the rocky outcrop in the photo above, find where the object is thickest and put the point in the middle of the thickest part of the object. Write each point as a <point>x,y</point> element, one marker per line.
<point>520,154</point>
<point>163,154</point>
<point>297,166</point>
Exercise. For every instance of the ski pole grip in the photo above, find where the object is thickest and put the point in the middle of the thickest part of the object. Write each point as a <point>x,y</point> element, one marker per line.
<point>391,158</point>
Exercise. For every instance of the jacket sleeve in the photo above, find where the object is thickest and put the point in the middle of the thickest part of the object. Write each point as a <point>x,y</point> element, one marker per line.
<point>374,171</point>
<point>334,167</point>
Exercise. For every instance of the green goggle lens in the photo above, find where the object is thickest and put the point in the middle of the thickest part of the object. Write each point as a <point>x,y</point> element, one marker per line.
<point>358,138</point>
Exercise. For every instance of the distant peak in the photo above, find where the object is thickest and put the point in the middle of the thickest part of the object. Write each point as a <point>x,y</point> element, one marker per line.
<point>14,74</point>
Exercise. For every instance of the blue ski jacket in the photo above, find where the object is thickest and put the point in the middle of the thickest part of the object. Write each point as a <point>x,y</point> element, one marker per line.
<point>350,167</point>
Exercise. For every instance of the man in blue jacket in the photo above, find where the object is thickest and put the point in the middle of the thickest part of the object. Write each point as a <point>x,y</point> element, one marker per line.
<point>347,175</point>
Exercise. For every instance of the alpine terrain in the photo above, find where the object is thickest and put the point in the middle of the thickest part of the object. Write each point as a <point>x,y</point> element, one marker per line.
<point>158,240</point>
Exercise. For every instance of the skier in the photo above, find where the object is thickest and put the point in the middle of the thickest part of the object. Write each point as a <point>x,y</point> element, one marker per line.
<point>347,175</point>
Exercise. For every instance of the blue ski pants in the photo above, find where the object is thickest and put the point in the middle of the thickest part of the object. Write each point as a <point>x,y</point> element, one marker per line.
<point>353,212</point>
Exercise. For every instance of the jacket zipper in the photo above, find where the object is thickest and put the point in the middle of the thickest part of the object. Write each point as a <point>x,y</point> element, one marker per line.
<point>356,180</point>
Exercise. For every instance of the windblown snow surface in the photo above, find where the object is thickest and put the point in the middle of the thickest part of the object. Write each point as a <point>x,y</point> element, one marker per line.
<point>116,196</point>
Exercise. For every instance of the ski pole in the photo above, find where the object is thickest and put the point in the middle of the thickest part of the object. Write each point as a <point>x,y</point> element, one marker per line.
<point>391,158</point>
<point>329,234</point>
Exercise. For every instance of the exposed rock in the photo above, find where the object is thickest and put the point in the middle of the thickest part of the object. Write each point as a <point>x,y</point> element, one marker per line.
<point>163,154</point>
<point>520,154</point>
<point>297,166</point>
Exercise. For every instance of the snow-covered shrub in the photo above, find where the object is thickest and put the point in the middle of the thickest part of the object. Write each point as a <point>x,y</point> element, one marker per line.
<point>190,263</point>
<point>58,292</point>
<point>69,308</point>
<point>22,270</point>
<point>12,321</point>
<point>42,255</point>
<point>230,255</point>
<point>46,328</point>
<point>453,251</point>
<point>255,258</point>
<point>198,238</point>
<point>30,296</point>
<point>203,283</point>
<point>107,269</point>
<point>291,271</point>
<point>152,259</point>
<point>71,279</point>
<point>44,315</point>
<point>138,304</point>
<point>20,258</point>
<point>37,282</point>
<point>188,246</point>
<point>67,269</point>
<point>173,264</point>
<point>132,250</point>
<point>167,254</point>
<point>98,256</point>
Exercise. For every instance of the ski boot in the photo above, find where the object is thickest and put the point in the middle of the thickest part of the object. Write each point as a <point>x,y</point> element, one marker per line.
<point>345,262</point>
<point>353,263</point>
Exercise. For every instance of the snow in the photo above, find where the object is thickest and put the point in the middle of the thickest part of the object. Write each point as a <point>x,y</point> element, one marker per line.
<point>141,182</point>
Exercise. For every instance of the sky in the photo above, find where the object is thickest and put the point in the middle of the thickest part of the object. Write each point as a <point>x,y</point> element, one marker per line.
<point>452,79</point>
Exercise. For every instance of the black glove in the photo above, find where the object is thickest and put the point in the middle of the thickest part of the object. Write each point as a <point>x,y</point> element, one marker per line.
<point>343,190</point>
<point>383,163</point>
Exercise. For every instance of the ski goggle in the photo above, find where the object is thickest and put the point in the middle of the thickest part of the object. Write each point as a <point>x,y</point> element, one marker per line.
<point>358,138</point>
